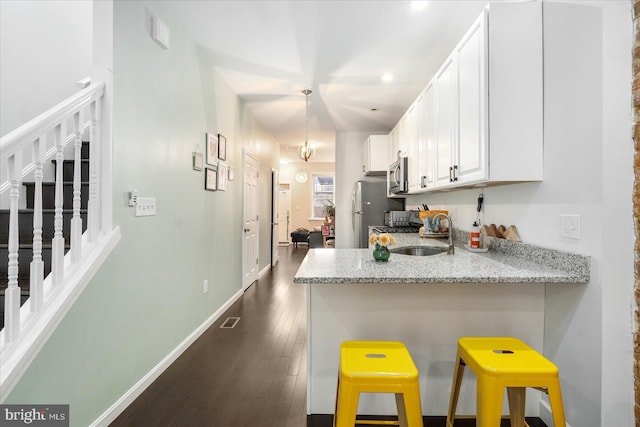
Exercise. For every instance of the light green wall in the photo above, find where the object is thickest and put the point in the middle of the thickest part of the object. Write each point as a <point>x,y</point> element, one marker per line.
<point>147,297</point>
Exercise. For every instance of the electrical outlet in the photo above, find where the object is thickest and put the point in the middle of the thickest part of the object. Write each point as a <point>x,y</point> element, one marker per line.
<point>205,286</point>
<point>570,226</point>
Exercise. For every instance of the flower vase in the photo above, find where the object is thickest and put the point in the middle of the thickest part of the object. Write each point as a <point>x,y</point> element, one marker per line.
<point>381,253</point>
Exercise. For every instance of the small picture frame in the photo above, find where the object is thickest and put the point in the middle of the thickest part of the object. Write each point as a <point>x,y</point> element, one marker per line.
<point>210,179</point>
<point>223,170</point>
<point>222,147</point>
<point>212,149</point>
<point>197,161</point>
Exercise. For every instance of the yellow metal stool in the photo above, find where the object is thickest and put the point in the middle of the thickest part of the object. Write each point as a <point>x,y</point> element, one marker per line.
<point>500,362</point>
<point>377,367</point>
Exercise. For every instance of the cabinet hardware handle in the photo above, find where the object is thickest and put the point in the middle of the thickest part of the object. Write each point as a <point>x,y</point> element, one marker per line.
<point>450,173</point>
<point>455,176</point>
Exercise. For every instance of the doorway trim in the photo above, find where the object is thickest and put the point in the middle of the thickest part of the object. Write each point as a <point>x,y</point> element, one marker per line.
<point>250,277</point>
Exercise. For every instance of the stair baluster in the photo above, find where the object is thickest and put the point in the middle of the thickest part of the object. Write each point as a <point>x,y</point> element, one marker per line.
<point>37,264</point>
<point>76,220</point>
<point>93,207</point>
<point>57,245</point>
<point>12,293</point>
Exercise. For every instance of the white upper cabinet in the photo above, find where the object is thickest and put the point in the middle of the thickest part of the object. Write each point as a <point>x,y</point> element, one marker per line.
<point>412,140</point>
<point>470,153</point>
<point>427,138</point>
<point>445,129</point>
<point>479,121</point>
<point>376,155</point>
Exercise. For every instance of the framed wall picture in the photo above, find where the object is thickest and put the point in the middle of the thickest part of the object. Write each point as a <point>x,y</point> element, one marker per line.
<point>212,149</point>
<point>210,179</point>
<point>197,161</point>
<point>223,170</point>
<point>222,147</point>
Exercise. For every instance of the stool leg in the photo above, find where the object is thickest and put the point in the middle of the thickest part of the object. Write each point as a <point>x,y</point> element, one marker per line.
<point>489,402</point>
<point>516,397</point>
<point>409,402</point>
<point>557,410</point>
<point>402,410</point>
<point>335,407</point>
<point>347,405</point>
<point>455,391</point>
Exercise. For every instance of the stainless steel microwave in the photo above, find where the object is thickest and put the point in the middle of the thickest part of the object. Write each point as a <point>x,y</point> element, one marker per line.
<point>398,176</point>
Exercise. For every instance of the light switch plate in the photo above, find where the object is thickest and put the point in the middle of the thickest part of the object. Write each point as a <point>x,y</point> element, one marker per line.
<point>160,32</point>
<point>570,226</point>
<point>146,206</point>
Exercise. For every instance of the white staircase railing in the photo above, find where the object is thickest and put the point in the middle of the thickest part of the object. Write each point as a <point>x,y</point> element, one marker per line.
<point>24,152</point>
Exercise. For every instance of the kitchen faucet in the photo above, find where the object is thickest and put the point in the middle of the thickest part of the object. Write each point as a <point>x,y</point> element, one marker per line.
<point>450,250</point>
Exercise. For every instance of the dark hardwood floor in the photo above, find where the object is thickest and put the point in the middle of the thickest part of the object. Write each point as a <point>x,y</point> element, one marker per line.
<point>253,375</point>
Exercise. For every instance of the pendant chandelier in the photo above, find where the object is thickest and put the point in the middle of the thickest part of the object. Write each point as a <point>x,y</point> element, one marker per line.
<point>305,151</point>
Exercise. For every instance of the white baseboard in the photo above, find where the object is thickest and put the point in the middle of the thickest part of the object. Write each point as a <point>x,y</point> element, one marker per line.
<point>121,404</point>
<point>264,271</point>
<point>545,414</point>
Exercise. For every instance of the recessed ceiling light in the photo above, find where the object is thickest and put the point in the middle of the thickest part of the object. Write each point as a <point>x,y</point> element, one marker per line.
<point>417,5</point>
<point>284,161</point>
<point>387,77</point>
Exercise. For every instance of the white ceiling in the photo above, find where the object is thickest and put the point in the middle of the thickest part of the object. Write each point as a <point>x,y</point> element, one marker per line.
<point>269,51</point>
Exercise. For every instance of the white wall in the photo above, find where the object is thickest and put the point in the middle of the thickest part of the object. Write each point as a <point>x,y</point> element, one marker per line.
<point>588,171</point>
<point>349,155</point>
<point>45,48</point>
<point>147,297</point>
<point>617,238</point>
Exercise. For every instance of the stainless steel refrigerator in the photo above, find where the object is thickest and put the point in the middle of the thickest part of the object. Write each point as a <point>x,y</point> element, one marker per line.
<point>368,203</point>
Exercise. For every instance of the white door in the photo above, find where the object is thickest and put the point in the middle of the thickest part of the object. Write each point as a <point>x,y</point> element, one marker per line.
<point>275,199</point>
<point>284,208</point>
<point>250,222</point>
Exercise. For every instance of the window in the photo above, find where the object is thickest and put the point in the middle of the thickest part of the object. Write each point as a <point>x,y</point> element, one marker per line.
<point>322,194</point>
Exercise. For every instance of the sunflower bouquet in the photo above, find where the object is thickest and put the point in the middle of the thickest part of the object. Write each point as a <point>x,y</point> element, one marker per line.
<point>382,241</point>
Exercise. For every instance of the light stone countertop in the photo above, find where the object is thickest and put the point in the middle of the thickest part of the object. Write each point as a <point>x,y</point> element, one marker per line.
<point>506,262</point>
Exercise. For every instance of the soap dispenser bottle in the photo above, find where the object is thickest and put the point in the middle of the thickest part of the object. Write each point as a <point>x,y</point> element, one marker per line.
<point>474,236</point>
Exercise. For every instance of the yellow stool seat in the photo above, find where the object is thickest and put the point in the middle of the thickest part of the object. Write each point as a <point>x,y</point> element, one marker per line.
<point>499,363</point>
<point>377,367</point>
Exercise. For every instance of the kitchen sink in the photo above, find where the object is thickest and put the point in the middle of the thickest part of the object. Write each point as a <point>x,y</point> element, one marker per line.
<point>418,250</point>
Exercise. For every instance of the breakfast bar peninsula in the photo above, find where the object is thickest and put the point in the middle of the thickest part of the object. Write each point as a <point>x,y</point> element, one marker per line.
<point>426,302</point>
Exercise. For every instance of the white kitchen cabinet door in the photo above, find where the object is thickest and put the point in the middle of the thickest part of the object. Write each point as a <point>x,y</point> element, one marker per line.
<point>393,153</point>
<point>470,153</point>
<point>428,136</point>
<point>445,135</point>
<point>412,138</point>
<point>376,155</point>
<point>393,144</point>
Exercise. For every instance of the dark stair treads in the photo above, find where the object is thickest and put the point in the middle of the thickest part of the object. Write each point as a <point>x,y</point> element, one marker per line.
<point>25,224</point>
<point>49,191</point>
<point>67,170</point>
<point>25,256</point>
